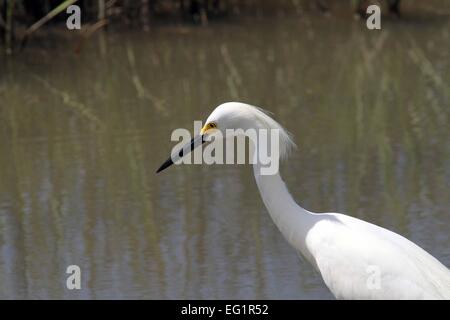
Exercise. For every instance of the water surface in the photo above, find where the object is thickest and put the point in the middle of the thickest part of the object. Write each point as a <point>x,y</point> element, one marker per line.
<point>82,135</point>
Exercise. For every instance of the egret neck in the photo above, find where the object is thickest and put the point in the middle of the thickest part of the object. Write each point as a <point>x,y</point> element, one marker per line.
<point>292,220</point>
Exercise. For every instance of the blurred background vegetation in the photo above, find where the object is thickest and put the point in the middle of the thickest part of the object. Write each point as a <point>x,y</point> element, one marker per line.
<point>20,18</point>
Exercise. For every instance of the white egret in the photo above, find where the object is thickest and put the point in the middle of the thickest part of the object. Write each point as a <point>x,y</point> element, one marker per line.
<point>356,259</point>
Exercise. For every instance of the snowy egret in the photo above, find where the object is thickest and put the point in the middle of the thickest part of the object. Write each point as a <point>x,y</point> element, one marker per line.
<point>356,259</point>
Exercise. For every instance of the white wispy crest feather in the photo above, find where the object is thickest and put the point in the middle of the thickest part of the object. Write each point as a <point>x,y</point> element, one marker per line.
<point>287,143</point>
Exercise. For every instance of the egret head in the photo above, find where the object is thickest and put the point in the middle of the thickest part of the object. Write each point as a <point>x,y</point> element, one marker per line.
<point>228,117</point>
<point>233,119</point>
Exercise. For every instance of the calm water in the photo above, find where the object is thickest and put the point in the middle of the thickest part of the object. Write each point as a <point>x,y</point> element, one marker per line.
<point>82,135</point>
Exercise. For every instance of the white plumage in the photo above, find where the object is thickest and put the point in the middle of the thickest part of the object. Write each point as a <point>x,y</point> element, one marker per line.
<point>356,259</point>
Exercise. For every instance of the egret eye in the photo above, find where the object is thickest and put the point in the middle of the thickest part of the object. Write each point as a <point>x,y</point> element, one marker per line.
<point>208,126</point>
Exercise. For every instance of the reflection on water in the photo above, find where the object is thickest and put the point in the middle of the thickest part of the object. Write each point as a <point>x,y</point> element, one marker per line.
<point>81,137</point>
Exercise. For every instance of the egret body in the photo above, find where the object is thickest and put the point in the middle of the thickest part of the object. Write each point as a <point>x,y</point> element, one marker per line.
<point>346,251</point>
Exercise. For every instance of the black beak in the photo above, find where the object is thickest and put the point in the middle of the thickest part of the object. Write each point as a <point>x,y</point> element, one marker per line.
<point>195,142</point>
